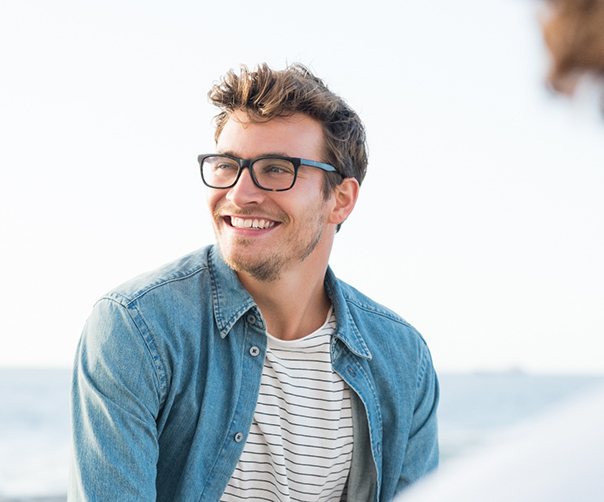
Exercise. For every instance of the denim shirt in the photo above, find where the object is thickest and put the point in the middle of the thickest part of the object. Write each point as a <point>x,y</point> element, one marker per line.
<point>166,381</point>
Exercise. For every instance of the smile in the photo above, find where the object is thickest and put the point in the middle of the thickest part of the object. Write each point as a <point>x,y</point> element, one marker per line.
<point>258,223</point>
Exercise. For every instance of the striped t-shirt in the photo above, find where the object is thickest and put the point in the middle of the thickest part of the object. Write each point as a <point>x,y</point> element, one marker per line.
<point>300,443</point>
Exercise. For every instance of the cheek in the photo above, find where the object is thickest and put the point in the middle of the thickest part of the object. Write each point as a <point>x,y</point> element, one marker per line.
<point>212,198</point>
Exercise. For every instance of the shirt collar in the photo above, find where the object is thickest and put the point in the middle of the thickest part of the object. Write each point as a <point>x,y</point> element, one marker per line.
<point>346,328</point>
<point>231,300</point>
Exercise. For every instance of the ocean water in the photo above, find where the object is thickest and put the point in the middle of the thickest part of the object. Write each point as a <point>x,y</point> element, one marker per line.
<point>34,420</point>
<point>34,433</point>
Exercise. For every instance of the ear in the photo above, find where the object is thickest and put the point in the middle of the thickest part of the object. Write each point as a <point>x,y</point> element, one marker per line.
<point>345,197</point>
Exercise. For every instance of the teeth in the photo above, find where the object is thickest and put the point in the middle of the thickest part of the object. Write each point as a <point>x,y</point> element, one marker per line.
<point>251,223</point>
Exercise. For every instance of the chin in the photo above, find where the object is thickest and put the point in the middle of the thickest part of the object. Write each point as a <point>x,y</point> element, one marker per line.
<point>265,269</point>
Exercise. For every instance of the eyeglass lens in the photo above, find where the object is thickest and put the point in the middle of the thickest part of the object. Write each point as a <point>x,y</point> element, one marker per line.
<point>270,173</point>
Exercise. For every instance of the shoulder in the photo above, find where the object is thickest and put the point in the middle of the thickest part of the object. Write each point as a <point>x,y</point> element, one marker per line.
<point>179,276</point>
<point>397,354</point>
<point>378,331</point>
<point>362,302</point>
<point>156,315</point>
<point>366,310</point>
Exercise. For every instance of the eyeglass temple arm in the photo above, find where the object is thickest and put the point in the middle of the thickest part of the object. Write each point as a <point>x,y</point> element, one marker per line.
<point>320,165</point>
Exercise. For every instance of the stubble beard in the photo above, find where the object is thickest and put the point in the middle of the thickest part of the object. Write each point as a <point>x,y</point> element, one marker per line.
<point>269,269</point>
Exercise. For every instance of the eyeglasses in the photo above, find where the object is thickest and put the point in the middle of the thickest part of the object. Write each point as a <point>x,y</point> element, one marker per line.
<point>270,172</point>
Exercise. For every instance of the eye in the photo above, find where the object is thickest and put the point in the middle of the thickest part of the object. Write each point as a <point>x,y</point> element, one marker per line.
<point>224,169</point>
<point>275,167</point>
<point>222,165</point>
<point>275,170</point>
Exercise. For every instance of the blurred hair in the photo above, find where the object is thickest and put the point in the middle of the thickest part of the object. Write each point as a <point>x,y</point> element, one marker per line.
<point>265,93</point>
<point>574,34</point>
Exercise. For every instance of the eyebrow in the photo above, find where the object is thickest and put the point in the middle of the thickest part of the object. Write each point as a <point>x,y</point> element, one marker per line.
<point>234,154</point>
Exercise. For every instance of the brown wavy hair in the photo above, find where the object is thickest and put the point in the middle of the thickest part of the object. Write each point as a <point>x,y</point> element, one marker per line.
<point>573,31</point>
<point>265,93</point>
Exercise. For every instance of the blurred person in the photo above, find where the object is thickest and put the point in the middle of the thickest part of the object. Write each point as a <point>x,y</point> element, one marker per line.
<point>247,370</point>
<point>573,31</point>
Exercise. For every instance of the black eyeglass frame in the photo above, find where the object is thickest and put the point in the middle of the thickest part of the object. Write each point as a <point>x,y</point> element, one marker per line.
<point>249,163</point>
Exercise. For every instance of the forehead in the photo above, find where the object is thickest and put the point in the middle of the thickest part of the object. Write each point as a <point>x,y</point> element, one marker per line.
<point>297,135</point>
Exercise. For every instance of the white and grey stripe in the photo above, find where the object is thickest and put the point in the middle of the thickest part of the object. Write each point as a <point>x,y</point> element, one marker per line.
<point>300,444</point>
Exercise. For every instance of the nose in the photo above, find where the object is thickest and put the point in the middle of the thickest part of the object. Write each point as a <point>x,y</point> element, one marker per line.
<point>245,191</point>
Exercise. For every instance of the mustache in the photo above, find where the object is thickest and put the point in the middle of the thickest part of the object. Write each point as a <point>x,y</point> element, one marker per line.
<point>227,210</point>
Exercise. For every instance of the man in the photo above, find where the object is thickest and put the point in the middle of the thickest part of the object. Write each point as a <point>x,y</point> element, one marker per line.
<point>246,370</point>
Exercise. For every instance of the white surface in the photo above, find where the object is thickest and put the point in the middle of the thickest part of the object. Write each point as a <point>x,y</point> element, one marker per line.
<point>557,458</point>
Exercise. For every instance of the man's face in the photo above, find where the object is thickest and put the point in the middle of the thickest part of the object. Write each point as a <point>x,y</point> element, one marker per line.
<point>266,233</point>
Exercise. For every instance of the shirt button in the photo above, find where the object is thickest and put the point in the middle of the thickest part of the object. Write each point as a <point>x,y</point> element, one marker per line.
<point>251,319</point>
<point>238,437</point>
<point>254,351</point>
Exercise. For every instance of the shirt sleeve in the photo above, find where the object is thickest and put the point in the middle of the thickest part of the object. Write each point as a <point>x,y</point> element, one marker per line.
<point>114,404</point>
<point>421,455</point>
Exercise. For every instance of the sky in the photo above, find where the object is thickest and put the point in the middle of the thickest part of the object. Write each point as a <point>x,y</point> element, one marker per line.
<point>480,220</point>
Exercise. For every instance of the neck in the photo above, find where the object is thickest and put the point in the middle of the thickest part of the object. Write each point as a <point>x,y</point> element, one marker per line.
<point>295,304</point>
